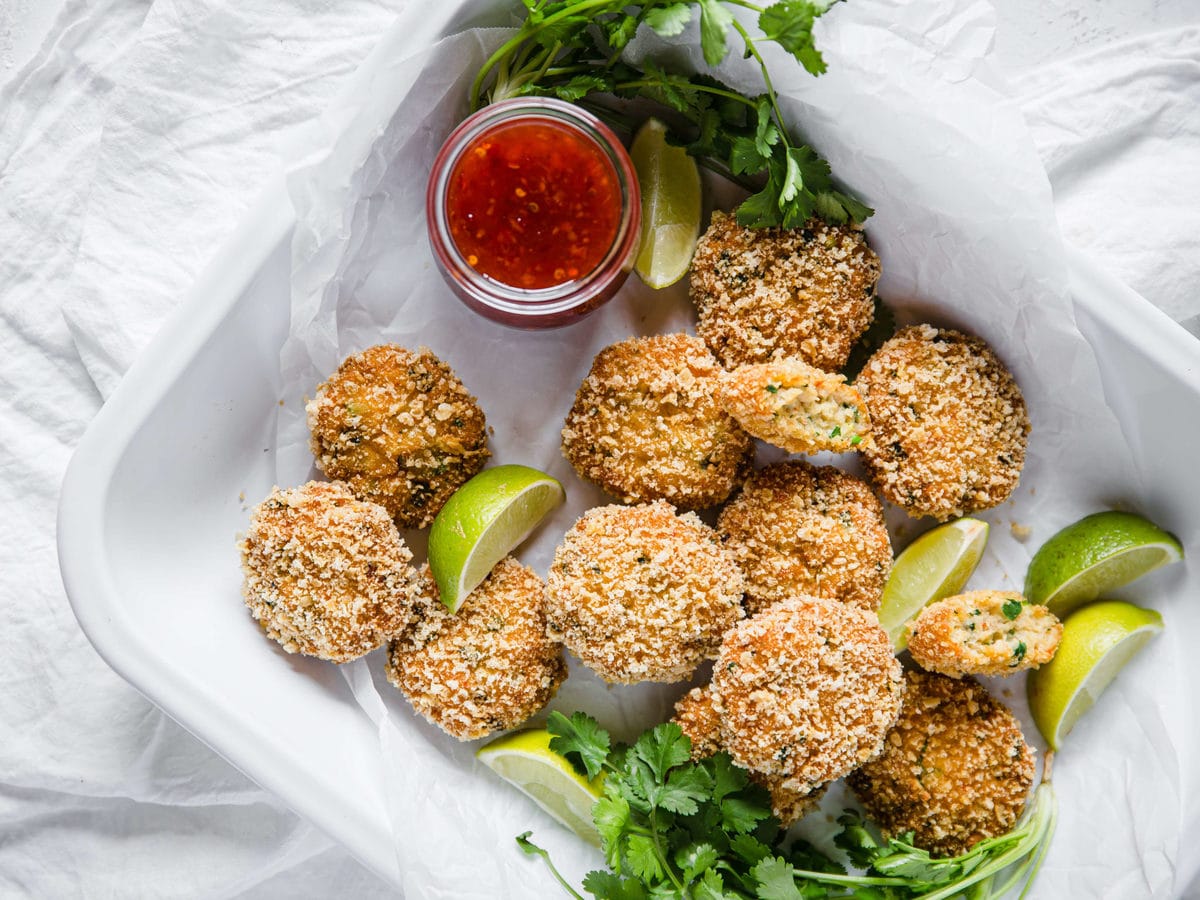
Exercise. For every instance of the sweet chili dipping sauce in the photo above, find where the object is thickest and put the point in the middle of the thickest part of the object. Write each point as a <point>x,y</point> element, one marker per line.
<point>533,212</point>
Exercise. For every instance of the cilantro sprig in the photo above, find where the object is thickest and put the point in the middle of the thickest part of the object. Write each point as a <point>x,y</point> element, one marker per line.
<point>702,830</point>
<point>573,50</point>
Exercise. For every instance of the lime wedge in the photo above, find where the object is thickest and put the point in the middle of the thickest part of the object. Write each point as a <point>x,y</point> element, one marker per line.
<point>1097,642</point>
<point>525,760</point>
<point>485,519</point>
<point>1098,553</point>
<point>670,185</point>
<point>936,565</point>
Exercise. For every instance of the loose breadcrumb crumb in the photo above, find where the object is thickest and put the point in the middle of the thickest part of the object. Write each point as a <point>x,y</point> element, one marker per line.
<point>326,574</point>
<point>764,292</point>
<point>790,404</point>
<point>948,421</point>
<point>400,428</point>
<point>956,768</point>
<point>646,425</point>
<point>806,691</point>
<point>983,633</point>
<point>697,718</point>
<point>639,593</point>
<point>802,529</point>
<point>487,667</point>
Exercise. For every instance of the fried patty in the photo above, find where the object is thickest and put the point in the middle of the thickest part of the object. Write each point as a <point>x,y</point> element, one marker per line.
<point>646,425</point>
<point>400,429</point>
<point>802,529</point>
<point>956,768</point>
<point>948,420</point>
<point>326,574</point>
<point>804,292</point>
<point>639,593</point>
<point>486,668</point>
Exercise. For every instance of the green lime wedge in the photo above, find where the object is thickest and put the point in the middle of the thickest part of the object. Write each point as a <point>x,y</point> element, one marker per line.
<point>525,760</point>
<point>1097,642</point>
<point>1098,553</point>
<point>485,519</point>
<point>936,565</point>
<point>670,186</point>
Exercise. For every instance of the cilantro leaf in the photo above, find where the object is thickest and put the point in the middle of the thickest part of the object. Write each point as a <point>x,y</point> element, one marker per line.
<point>712,887</point>
<point>766,135</point>
<point>741,815</point>
<point>642,855</point>
<point>1011,609</point>
<point>745,157</point>
<point>579,739</point>
<point>662,748</point>
<point>668,21</point>
<point>607,886</point>
<point>860,847</point>
<point>727,778</point>
<point>776,880</point>
<point>749,848</point>
<point>685,789</point>
<point>611,815</point>
<point>790,25</point>
<point>715,20</point>
<point>695,858</point>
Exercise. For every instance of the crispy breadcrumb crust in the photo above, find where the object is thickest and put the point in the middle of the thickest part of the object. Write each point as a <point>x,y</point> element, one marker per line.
<point>639,593</point>
<point>983,633</point>
<point>949,423</point>
<point>487,668</point>
<point>646,425</point>
<point>806,691</point>
<point>326,574</point>
<point>956,768</point>
<point>697,718</point>
<point>400,428</point>
<point>801,529</point>
<point>790,404</point>
<point>764,292</point>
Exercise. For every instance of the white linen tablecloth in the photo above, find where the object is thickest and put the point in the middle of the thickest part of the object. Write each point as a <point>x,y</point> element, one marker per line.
<point>131,142</point>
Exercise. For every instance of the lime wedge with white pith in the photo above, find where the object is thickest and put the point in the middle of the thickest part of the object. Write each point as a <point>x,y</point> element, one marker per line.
<point>936,565</point>
<point>1098,553</point>
<point>1097,642</point>
<point>670,187</point>
<point>485,519</point>
<point>525,760</point>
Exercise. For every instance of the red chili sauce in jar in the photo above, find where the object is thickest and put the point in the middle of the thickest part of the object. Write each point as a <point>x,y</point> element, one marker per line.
<point>533,204</point>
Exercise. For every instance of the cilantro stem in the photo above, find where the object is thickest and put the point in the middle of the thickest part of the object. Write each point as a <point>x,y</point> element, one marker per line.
<point>532,849</point>
<point>753,51</point>
<point>662,859</point>
<point>701,88</point>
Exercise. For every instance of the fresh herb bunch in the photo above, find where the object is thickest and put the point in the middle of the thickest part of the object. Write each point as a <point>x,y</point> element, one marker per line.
<point>702,830</point>
<point>572,49</point>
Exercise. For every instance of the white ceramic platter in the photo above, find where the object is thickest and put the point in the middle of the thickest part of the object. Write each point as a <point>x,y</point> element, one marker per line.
<point>160,484</point>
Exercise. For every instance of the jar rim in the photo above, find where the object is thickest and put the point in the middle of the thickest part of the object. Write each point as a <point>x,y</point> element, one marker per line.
<point>533,302</point>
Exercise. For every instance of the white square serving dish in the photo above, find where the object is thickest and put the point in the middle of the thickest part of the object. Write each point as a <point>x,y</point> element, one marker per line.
<point>160,485</point>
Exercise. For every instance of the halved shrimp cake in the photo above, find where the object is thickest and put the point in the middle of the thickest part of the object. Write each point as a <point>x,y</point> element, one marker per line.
<point>790,404</point>
<point>983,633</point>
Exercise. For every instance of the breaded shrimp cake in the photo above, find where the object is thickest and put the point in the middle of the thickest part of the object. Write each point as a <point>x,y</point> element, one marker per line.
<point>487,667</point>
<point>325,574</point>
<point>400,428</point>
<point>698,719</point>
<point>790,404</point>
<point>806,691</point>
<point>802,529</point>
<point>956,768</point>
<point>948,421</point>
<point>763,292</point>
<point>983,633</point>
<point>639,593</point>
<point>646,424</point>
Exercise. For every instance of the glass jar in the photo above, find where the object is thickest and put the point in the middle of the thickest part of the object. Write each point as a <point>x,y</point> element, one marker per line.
<point>533,211</point>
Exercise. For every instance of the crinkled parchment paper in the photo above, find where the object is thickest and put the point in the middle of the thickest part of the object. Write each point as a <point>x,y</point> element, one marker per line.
<point>911,118</point>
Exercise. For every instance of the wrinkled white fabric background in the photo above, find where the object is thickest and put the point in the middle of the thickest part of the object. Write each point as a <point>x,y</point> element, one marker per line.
<point>132,138</point>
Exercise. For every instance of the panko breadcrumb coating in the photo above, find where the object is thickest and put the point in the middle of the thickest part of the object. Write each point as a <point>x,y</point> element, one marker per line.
<point>806,691</point>
<point>763,292</point>
<point>802,529</point>
<point>790,404</point>
<point>326,574</point>
<point>948,421</point>
<point>487,667</point>
<point>646,424</point>
<point>983,633</point>
<point>639,593</point>
<point>956,768</point>
<point>400,428</point>
<point>697,718</point>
